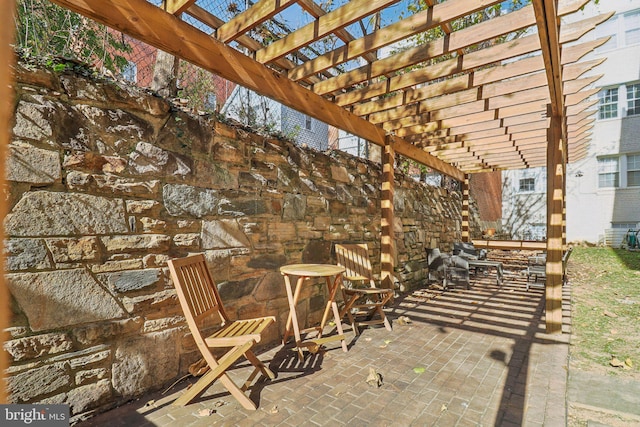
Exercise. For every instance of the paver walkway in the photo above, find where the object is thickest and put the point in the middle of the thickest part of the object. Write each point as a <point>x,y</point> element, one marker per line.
<point>477,357</point>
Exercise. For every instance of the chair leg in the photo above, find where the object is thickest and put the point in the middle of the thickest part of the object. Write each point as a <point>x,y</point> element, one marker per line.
<point>380,311</point>
<point>347,310</point>
<point>238,393</point>
<point>216,372</point>
<point>251,357</point>
<point>352,320</point>
<point>383,300</point>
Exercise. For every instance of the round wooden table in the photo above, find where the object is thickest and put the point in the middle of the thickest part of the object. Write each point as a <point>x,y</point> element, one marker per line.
<point>333,277</point>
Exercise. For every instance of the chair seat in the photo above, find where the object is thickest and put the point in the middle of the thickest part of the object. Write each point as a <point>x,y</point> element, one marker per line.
<point>239,332</point>
<point>367,291</point>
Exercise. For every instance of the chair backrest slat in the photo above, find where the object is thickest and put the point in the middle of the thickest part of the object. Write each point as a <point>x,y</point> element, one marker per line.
<point>354,257</point>
<point>196,289</point>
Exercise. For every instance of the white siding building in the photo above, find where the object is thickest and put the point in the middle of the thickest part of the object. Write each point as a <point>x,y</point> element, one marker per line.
<point>262,113</point>
<point>603,189</point>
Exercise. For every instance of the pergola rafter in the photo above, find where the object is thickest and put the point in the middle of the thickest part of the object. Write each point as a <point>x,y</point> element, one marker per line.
<point>482,73</point>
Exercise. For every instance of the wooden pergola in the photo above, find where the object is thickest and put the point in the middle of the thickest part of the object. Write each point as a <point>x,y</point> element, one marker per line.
<point>504,93</point>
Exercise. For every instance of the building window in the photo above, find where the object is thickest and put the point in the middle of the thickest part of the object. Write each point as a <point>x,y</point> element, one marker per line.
<point>609,28</point>
<point>608,175</point>
<point>608,103</point>
<point>632,28</point>
<point>633,170</point>
<point>633,99</point>
<point>527,185</point>
<point>130,72</point>
<point>623,225</point>
<point>307,122</point>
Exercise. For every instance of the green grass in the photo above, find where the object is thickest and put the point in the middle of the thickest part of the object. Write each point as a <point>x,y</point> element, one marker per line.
<point>605,286</point>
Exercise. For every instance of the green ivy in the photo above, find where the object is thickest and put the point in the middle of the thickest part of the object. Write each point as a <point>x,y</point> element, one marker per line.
<point>44,29</point>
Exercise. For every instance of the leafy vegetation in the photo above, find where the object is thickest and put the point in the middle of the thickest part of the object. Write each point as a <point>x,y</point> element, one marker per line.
<point>44,29</point>
<point>416,6</point>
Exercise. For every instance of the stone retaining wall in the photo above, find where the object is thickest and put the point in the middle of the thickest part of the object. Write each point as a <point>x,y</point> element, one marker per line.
<point>107,182</point>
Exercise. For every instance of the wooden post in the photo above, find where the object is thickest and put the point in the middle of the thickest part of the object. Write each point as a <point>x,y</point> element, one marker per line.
<point>165,75</point>
<point>565,151</point>
<point>555,203</point>
<point>465,209</point>
<point>388,242</point>
<point>7,59</point>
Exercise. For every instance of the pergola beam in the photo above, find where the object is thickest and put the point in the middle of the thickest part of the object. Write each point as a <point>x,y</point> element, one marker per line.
<point>450,43</point>
<point>252,45</point>
<point>392,107</point>
<point>414,24</point>
<point>176,7</point>
<point>142,20</point>
<point>316,11</point>
<point>463,103</point>
<point>457,41</point>
<point>324,25</point>
<point>255,15</point>
<point>469,62</point>
<point>478,90</point>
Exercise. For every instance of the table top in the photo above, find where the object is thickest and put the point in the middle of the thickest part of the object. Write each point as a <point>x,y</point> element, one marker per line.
<point>484,262</point>
<point>312,270</point>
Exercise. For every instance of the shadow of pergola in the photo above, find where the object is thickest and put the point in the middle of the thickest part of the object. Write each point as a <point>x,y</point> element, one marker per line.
<point>508,312</point>
<point>477,356</point>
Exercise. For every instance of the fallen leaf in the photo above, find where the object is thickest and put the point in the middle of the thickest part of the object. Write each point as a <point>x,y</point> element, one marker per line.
<point>404,320</point>
<point>274,410</point>
<point>615,362</point>
<point>418,370</point>
<point>198,368</point>
<point>206,412</point>
<point>443,407</point>
<point>610,314</point>
<point>374,379</point>
<point>387,341</point>
<point>628,362</point>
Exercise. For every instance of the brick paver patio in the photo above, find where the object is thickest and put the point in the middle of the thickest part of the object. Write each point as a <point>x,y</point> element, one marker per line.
<point>476,357</point>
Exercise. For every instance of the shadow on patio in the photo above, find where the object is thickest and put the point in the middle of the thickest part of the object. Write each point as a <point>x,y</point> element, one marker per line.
<point>468,357</point>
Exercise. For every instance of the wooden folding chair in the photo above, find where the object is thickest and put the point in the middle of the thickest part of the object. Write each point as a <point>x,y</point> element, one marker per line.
<point>367,301</point>
<point>200,299</point>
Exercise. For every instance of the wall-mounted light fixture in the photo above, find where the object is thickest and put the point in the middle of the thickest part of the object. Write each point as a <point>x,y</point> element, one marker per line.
<point>579,174</point>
